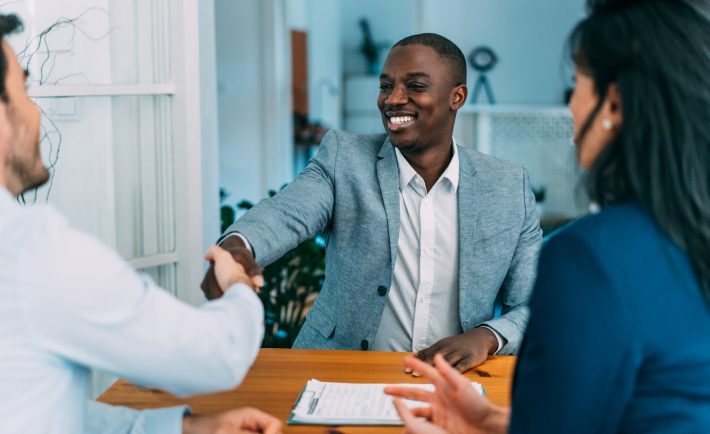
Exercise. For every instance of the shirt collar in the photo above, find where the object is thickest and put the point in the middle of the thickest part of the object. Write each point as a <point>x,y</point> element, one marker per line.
<point>407,173</point>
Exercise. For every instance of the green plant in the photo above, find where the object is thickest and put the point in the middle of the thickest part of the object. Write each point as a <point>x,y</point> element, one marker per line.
<point>291,285</point>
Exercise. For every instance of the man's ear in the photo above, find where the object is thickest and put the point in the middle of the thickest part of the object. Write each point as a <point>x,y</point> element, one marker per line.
<point>458,97</point>
<point>612,105</point>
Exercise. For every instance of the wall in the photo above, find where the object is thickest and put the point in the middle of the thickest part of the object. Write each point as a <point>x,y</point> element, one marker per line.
<point>238,98</point>
<point>321,20</point>
<point>389,20</point>
<point>325,65</point>
<point>253,73</point>
<point>210,132</point>
<point>527,35</point>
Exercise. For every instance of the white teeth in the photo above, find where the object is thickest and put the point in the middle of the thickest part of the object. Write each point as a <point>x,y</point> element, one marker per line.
<point>399,120</point>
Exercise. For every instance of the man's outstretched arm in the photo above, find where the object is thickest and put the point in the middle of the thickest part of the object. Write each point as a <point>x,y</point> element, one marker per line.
<point>278,224</point>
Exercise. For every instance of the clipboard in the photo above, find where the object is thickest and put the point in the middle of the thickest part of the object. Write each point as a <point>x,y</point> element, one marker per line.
<point>328,403</point>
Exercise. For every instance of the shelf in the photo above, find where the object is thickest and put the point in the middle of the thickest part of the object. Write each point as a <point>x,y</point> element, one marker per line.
<point>53,91</point>
<point>513,108</point>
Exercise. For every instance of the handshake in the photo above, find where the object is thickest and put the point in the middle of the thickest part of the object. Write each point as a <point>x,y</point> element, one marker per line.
<point>230,263</point>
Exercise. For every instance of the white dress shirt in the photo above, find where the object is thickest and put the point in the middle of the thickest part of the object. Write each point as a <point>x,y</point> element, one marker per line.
<point>68,303</point>
<point>422,304</point>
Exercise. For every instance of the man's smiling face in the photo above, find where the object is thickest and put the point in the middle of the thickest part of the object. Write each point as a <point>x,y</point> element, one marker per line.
<point>418,98</point>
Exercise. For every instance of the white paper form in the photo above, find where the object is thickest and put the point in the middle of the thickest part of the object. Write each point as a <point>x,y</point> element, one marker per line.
<point>351,404</point>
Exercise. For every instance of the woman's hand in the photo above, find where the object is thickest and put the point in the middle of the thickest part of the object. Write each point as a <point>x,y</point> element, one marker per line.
<point>454,407</point>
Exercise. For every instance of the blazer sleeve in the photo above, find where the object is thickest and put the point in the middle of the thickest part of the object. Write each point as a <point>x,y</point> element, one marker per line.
<point>297,213</point>
<point>518,283</point>
<point>578,363</point>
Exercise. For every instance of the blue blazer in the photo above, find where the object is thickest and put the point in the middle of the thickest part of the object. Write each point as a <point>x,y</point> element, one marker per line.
<point>619,334</point>
<point>350,192</point>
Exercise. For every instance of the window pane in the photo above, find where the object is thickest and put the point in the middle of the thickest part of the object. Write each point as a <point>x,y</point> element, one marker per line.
<point>79,42</point>
<point>164,276</point>
<point>112,169</point>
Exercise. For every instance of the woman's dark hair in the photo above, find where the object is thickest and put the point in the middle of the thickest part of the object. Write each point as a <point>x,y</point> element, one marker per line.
<point>657,52</point>
<point>8,24</point>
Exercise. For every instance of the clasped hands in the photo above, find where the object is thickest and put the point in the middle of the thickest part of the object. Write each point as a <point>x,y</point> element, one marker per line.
<point>227,269</point>
<point>231,262</point>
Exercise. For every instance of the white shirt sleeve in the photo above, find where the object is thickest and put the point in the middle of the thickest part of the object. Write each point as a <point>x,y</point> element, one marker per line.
<point>108,419</point>
<point>236,234</point>
<point>89,306</point>
<point>499,338</point>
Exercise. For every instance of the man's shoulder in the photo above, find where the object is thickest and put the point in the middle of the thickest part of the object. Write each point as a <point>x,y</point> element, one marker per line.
<point>620,226</point>
<point>348,141</point>
<point>26,223</point>
<point>486,163</point>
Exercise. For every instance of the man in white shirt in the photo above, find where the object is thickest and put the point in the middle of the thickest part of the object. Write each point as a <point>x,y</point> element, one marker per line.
<point>424,235</point>
<point>68,304</point>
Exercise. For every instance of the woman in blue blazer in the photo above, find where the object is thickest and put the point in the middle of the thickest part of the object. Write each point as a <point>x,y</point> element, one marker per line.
<point>619,332</point>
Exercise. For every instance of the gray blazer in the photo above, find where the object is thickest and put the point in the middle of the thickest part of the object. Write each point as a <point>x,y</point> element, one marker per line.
<point>350,193</point>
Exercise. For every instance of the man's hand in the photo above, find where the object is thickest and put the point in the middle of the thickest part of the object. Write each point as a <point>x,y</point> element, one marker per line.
<point>463,351</point>
<point>243,420</point>
<point>241,254</point>
<point>226,270</point>
<point>454,407</point>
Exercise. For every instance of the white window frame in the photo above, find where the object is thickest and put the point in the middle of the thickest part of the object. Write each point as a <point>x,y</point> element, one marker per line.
<point>187,135</point>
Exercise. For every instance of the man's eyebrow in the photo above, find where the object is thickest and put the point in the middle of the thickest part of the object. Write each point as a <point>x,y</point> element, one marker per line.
<point>408,75</point>
<point>418,75</point>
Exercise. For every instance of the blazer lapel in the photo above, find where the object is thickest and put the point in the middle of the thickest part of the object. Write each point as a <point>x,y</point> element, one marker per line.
<point>468,215</point>
<point>388,176</point>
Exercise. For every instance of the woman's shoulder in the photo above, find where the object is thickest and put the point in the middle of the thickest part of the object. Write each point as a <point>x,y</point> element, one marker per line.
<point>625,224</point>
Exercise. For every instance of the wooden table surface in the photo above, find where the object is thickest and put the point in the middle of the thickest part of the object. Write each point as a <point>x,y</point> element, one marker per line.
<point>278,375</point>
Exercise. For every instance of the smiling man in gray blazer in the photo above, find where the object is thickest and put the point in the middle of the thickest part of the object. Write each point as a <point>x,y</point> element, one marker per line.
<point>423,235</point>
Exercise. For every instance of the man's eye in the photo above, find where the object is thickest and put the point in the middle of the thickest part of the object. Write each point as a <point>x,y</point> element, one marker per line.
<point>416,86</point>
<point>385,86</point>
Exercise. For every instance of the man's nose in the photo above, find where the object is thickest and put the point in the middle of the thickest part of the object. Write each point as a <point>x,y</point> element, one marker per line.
<point>398,96</point>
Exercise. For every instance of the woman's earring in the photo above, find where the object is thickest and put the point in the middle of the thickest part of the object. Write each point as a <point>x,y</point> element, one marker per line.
<point>606,123</point>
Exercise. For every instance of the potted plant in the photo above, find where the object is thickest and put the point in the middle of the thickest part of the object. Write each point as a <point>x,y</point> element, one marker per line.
<point>291,285</point>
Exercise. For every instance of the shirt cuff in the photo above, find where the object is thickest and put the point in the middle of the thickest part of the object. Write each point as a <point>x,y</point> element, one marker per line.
<point>163,420</point>
<point>237,234</point>
<point>499,338</point>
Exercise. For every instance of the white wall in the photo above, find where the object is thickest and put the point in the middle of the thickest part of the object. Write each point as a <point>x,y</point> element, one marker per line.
<point>528,37</point>
<point>322,21</point>
<point>253,73</point>
<point>390,21</point>
<point>239,105</point>
<point>325,62</point>
<point>210,132</point>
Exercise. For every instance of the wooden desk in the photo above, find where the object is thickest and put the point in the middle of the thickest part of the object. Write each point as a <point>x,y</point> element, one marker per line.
<point>278,375</point>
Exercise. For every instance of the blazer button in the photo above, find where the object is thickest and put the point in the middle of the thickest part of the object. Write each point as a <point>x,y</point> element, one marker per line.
<point>382,291</point>
<point>364,345</point>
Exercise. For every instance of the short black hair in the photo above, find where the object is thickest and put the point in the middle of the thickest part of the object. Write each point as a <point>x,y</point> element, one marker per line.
<point>447,51</point>
<point>8,24</point>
